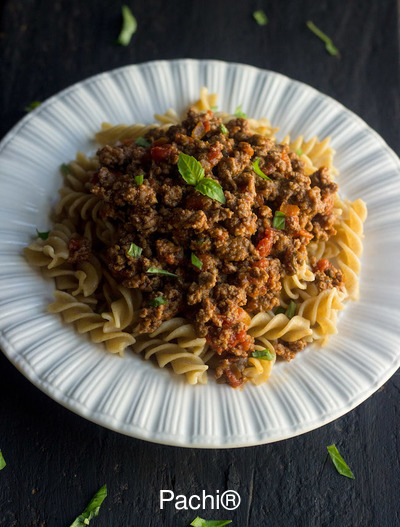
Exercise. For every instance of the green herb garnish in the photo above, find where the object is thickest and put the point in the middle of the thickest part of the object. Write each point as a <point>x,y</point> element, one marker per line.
<point>263,354</point>
<point>193,173</point>
<point>299,152</point>
<point>92,510</point>
<point>224,129</point>
<point>257,169</point>
<point>239,113</point>
<point>196,261</point>
<point>157,301</point>
<point>141,141</point>
<point>129,26</point>
<point>139,179</point>
<point>199,522</point>
<point>214,108</point>
<point>260,17</point>
<point>291,310</point>
<point>32,106</point>
<point>155,270</point>
<point>279,220</point>
<point>280,311</point>
<point>134,250</point>
<point>330,48</point>
<point>65,169</point>
<point>43,235</point>
<point>2,461</point>
<point>339,462</point>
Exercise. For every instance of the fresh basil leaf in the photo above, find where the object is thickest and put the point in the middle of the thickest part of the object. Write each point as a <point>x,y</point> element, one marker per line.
<point>32,106</point>
<point>199,522</point>
<point>134,250</point>
<point>2,461</point>
<point>224,129</point>
<point>260,17</point>
<point>257,169</point>
<point>65,169</point>
<point>43,235</point>
<point>155,270</point>
<point>190,169</point>
<point>263,354</point>
<point>299,152</point>
<point>129,26</point>
<point>239,113</point>
<point>196,261</point>
<point>280,311</point>
<point>157,301</point>
<point>92,510</point>
<point>141,141</point>
<point>139,179</point>
<point>211,188</point>
<point>279,220</point>
<point>330,48</point>
<point>339,462</point>
<point>291,310</point>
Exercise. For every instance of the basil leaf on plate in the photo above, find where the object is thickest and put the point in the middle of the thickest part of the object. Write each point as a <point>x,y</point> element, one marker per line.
<point>32,106</point>
<point>141,141</point>
<point>139,179</point>
<point>224,129</point>
<point>43,235</point>
<point>129,26</point>
<point>260,17</point>
<point>199,522</point>
<point>155,270</point>
<point>157,301</point>
<point>190,169</point>
<point>92,509</point>
<point>291,310</point>
<point>279,220</point>
<point>211,188</point>
<point>2,461</point>
<point>257,169</point>
<point>134,250</point>
<point>263,354</point>
<point>196,261</point>
<point>329,46</point>
<point>340,464</point>
<point>239,113</point>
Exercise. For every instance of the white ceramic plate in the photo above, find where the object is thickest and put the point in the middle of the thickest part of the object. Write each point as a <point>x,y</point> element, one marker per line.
<point>131,395</point>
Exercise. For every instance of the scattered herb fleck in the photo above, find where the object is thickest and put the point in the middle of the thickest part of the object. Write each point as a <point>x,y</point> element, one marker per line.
<point>239,113</point>
<point>340,464</point>
<point>224,129</point>
<point>291,310</point>
<point>2,461</point>
<point>32,106</point>
<point>257,169</point>
<point>134,250</point>
<point>263,354</point>
<point>196,261</point>
<point>129,26</point>
<point>42,235</point>
<point>139,179</point>
<point>193,173</point>
<point>155,270</point>
<point>214,108</point>
<point>329,46</point>
<point>299,152</point>
<point>280,311</point>
<point>141,141</point>
<point>260,17</point>
<point>65,169</point>
<point>279,220</point>
<point>199,522</point>
<point>157,301</point>
<point>92,510</point>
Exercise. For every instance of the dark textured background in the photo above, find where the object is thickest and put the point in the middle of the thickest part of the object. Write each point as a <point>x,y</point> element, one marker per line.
<point>57,460</point>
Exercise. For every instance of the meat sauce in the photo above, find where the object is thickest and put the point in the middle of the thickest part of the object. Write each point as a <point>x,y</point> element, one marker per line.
<point>242,255</point>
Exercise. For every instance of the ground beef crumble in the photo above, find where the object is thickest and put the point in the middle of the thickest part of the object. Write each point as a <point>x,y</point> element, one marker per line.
<point>242,255</point>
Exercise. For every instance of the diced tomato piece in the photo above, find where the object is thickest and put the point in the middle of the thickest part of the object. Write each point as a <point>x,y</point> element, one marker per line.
<point>289,210</point>
<point>200,130</point>
<point>264,246</point>
<point>303,232</point>
<point>323,265</point>
<point>161,153</point>
<point>214,155</point>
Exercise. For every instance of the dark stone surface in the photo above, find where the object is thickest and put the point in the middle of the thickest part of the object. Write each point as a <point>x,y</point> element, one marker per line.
<point>57,460</point>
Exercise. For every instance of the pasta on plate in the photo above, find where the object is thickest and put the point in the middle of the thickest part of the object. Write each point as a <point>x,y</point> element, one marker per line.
<point>203,244</point>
